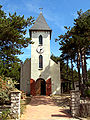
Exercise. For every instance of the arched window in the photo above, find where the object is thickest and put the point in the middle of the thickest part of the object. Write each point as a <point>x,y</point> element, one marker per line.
<point>40,61</point>
<point>40,40</point>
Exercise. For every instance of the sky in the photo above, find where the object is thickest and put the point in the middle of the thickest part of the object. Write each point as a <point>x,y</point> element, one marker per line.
<point>58,13</point>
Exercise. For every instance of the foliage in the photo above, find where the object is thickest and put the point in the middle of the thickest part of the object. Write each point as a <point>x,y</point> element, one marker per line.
<point>88,83</point>
<point>63,69</point>
<point>13,29</point>
<point>5,114</point>
<point>12,40</point>
<point>56,58</point>
<point>12,35</point>
<point>75,45</point>
<point>88,74</point>
<point>87,92</point>
<point>6,86</point>
<point>13,71</point>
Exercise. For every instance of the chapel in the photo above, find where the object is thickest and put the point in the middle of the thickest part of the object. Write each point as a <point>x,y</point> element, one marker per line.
<point>40,75</point>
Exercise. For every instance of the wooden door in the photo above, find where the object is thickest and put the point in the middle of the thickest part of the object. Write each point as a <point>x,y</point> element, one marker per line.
<point>48,86</point>
<point>38,87</point>
<point>43,87</point>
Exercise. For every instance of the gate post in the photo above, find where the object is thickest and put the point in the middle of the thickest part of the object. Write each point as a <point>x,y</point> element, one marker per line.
<point>75,102</point>
<point>15,104</point>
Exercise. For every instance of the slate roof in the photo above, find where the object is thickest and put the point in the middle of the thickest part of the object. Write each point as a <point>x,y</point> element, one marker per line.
<point>40,24</point>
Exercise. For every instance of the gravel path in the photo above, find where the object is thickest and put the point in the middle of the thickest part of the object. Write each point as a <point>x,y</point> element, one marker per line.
<point>43,108</point>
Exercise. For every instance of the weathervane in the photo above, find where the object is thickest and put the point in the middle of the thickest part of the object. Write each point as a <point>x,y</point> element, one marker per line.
<point>40,10</point>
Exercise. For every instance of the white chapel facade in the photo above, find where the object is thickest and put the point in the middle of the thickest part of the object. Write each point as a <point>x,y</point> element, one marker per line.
<point>40,75</point>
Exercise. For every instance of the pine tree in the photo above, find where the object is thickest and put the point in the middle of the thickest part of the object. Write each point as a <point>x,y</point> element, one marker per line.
<point>75,44</point>
<point>12,39</point>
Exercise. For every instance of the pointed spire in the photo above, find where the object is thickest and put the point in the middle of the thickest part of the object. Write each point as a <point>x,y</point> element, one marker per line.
<point>40,23</point>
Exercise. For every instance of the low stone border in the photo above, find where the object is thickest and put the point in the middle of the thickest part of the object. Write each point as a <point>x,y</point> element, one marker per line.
<point>79,108</point>
<point>15,104</point>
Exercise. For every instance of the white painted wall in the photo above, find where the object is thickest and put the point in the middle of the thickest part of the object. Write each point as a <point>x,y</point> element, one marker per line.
<point>50,68</point>
<point>30,69</point>
<point>35,71</point>
<point>25,76</point>
<point>55,77</point>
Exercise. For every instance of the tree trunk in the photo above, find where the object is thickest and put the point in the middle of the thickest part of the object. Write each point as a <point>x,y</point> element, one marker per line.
<point>78,67</point>
<point>67,68</point>
<point>83,60</point>
<point>83,69</point>
<point>68,86</point>
<point>72,75</point>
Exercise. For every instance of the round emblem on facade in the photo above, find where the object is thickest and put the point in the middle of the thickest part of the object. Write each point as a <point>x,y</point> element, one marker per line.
<point>40,49</point>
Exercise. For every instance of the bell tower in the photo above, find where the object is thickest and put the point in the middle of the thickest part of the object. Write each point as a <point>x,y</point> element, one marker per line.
<point>40,34</point>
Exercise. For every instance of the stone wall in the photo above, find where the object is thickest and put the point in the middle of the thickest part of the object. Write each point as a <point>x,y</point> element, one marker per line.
<point>79,108</point>
<point>75,103</point>
<point>15,105</point>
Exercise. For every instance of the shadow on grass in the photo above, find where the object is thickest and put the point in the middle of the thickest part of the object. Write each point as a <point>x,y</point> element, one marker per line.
<point>28,99</point>
<point>41,100</point>
<point>64,113</point>
<point>23,104</point>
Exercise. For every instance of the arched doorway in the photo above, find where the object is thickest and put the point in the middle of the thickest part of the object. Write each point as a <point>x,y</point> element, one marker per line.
<point>40,87</point>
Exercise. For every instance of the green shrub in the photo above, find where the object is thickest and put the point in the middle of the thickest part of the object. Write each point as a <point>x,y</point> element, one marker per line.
<point>6,86</point>
<point>3,97</point>
<point>88,83</point>
<point>87,92</point>
<point>5,114</point>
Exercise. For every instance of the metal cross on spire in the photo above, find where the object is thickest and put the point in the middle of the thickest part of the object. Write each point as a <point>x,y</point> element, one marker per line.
<point>40,10</point>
